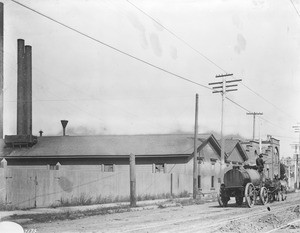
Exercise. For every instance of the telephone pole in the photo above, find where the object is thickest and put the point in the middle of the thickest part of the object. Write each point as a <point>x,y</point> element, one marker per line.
<point>297,130</point>
<point>254,114</point>
<point>195,168</point>
<point>223,87</point>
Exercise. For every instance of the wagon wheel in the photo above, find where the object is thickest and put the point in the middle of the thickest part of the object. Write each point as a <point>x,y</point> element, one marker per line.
<point>250,195</point>
<point>239,200</point>
<point>222,196</point>
<point>271,196</point>
<point>263,195</point>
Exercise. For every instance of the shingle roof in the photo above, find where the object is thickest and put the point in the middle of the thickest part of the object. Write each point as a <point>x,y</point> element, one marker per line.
<point>230,144</point>
<point>111,145</point>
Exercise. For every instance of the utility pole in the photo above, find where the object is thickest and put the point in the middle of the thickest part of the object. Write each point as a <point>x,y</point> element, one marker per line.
<point>1,67</point>
<point>254,114</point>
<point>297,130</point>
<point>195,168</point>
<point>223,87</point>
<point>132,181</point>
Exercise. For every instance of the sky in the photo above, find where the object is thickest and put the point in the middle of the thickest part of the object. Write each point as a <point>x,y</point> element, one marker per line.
<point>100,90</point>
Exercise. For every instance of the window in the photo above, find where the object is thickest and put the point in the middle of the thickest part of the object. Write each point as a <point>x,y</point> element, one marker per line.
<point>212,182</point>
<point>159,168</point>
<point>213,161</point>
<point>199,182</point>
<point>53,167</point>
<point>108,167</point>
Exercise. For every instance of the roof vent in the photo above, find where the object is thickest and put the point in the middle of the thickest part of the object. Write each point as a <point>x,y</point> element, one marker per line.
<point>64,125</point>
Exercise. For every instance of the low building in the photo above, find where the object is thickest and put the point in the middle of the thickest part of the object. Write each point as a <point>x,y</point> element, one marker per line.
<point>65,167</point>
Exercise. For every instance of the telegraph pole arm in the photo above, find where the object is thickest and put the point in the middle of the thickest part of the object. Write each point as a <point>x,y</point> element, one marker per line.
<point>223,87</point>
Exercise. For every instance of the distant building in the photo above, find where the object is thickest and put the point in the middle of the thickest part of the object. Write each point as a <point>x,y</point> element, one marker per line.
<point>270,149</point>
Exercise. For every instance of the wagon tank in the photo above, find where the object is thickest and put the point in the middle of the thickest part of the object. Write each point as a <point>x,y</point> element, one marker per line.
<point>240,182</point>
<point>239,177</point>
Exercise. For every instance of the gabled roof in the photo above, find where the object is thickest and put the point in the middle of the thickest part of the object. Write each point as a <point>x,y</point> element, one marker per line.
<point>231,144</point>
<point>213,141</point>
<point>111,146</point>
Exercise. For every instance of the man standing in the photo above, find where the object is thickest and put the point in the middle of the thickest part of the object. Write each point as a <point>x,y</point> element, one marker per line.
<point>260,163</point>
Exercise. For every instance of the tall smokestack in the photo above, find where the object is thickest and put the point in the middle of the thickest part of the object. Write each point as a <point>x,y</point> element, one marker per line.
<point>28,89</point>
<point>1,68</point>
<point>21,99</point>
<point>64,125</point>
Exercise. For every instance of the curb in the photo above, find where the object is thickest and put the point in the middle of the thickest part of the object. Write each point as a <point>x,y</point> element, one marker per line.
<point>115,207</point>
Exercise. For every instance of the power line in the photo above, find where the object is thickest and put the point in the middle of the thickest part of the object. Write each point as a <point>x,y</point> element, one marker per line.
<point>208,59</point>
<point>112,47</point>
<point>141,60</point>
<point>179,38</point>
<point>295,8</point>
<point>240,106</point>
<point>267,101</point>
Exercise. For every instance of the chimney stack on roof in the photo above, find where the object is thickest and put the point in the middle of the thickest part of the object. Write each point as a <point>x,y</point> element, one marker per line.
<point>24,135</point>
<point>24,96</point>
<point>64,125</point>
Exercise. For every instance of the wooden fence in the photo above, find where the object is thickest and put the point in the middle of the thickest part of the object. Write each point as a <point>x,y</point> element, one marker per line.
<point>31,188</point>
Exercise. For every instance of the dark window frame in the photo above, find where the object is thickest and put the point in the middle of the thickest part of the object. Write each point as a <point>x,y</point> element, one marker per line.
<point>108,167</point>
<point>159,167</point>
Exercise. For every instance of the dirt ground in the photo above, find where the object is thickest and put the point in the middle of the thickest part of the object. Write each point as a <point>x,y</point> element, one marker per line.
<point>207,217</point>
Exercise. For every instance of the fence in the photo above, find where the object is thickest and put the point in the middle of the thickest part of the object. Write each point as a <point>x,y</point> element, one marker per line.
<point>31,188</point>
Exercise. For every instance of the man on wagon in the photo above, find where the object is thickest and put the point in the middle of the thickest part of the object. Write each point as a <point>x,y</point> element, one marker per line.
<point>260,163</point>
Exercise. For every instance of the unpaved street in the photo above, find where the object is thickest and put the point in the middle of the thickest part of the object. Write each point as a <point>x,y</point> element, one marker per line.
<point>193,218</point>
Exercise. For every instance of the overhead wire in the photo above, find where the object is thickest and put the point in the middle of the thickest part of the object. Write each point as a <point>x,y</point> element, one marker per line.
<point>111,47</point>
<point>179,38</point>
<point>295,8</point>
<point>141,60</point>
<point>259,95</point>
<point>208,59</point>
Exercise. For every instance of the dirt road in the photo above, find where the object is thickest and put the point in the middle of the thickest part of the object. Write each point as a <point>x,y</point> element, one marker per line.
<point>193,218</point>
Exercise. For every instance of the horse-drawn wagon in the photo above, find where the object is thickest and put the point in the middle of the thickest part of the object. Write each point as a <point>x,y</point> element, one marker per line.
<point>240,182</point>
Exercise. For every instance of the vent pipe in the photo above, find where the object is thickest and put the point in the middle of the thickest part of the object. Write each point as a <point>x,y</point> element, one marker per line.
<point>64,125</point>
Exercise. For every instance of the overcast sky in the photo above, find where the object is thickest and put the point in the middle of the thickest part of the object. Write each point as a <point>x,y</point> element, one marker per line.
<point>102,91</point>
